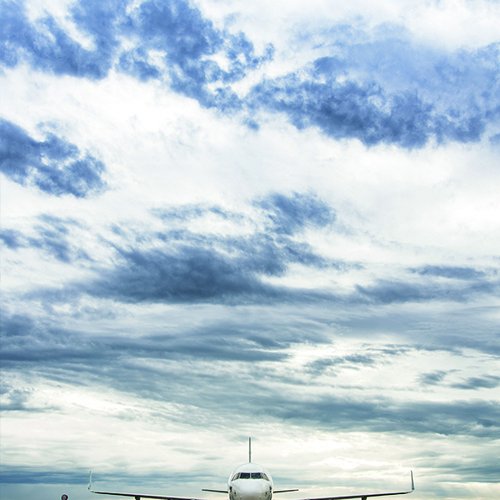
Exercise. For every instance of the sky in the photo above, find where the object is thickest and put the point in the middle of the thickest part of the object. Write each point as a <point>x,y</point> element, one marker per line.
<point>223,219</point>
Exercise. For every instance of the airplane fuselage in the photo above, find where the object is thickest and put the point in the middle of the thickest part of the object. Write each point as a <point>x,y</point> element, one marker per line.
<point>250,482</point>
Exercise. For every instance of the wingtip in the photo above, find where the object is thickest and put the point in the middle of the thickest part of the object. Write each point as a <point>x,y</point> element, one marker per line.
<point>90,480</point>
<point>412,483</point>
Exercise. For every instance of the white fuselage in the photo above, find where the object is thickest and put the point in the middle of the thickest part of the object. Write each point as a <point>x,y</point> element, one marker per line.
<point>250,482</point>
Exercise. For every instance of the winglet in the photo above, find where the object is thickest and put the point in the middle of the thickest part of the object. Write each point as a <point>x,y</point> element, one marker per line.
<point>412,483</point>
<point>90,481</point>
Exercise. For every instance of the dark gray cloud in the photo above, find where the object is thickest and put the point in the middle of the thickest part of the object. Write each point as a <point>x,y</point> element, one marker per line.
<point>186,274</point>
<point>54,166</point>
<point>387,292</point>
<point>433,378</point>
<point>474,418</point>
<point>14,399</point>
<point>180,266</point>
<point>47,346</point>
<point>458,327</point>
<point>319,366</point>
<point>199,269</point>
<point>37,341</point>
<point>474,383</point>
<point>16,474</point>
<point>32,475</point>
<point>461,273</point>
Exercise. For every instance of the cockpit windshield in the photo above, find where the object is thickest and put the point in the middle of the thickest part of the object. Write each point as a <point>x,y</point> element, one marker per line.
<point>250,475</point>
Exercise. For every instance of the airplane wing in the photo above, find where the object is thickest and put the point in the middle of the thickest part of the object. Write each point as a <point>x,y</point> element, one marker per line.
<point>137,496</point>
<point>364,496</point>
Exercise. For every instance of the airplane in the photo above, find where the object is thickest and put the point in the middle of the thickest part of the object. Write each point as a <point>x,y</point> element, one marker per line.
<point>250,482</point>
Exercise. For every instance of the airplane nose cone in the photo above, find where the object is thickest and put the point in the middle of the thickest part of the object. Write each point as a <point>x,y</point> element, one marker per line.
<point>249,490</point>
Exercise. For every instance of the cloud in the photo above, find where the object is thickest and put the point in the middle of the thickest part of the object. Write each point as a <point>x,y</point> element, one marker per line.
<point>433,378</point>
<point>12,474</point>
<point>185,274</point>
<point>307,318</point>
<point>54,166</point>
<point>184,39</point>
<point>31,340</point>
<point>377,86</point>
<point>135,63</point>
<point>158,366</point>
<point>461,273</point>
<point>192,211</point>
<point>14,399</point>
<point>180,266</point>
<point>388,291</point>
<point>347,110</point>
<point>366,110</point>
<point>206,269</point>
<point>473,418</point>
<point>48,48</point>
<point>475,383</point>
<point>292,214</point>
<point>380,86</point>
<point>188,42</point>
<point>320,365</point>
<point>12,239</point>
<point>52,235</point>
<point>42,343</point>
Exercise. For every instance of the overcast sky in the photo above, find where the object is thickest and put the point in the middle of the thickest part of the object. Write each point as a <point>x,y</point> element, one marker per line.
<point>276,219</point>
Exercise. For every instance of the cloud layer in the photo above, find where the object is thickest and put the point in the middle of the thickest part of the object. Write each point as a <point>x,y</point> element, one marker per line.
<point>388,90</point>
